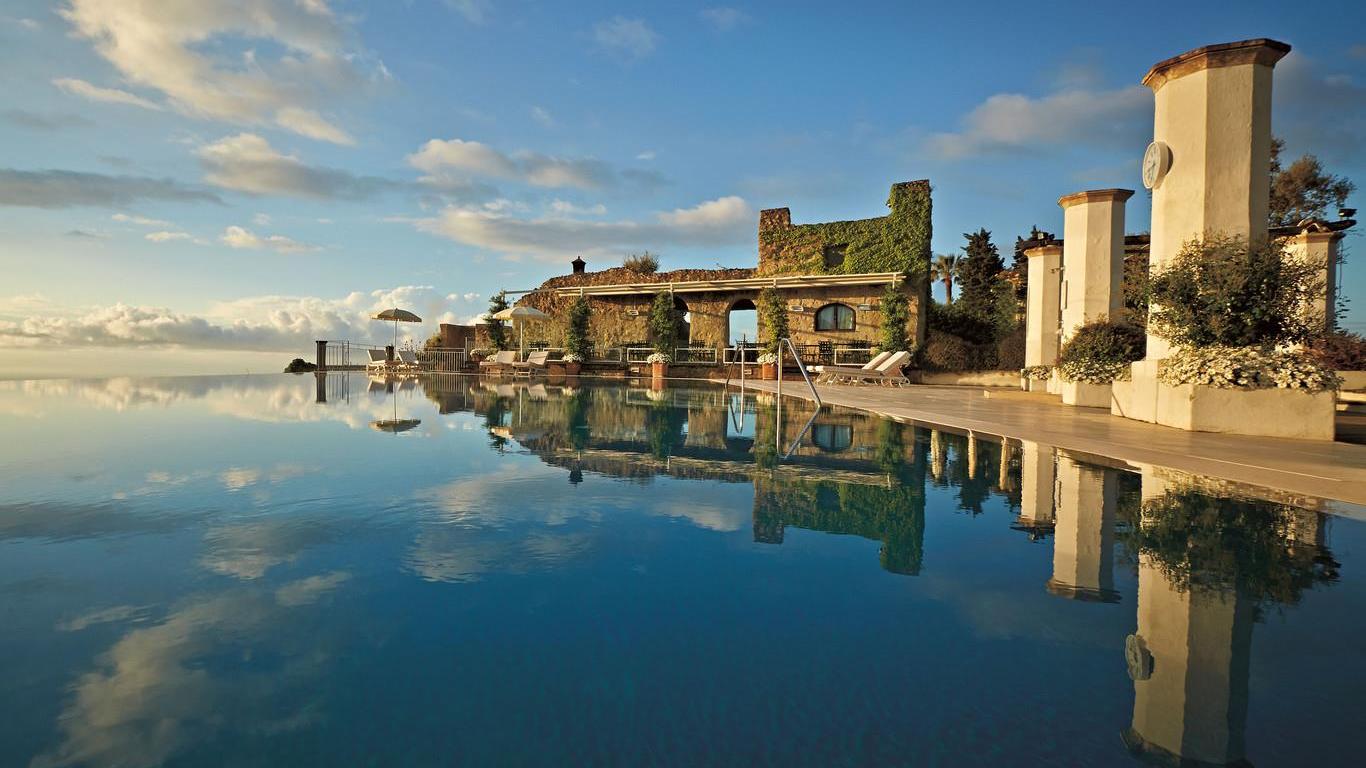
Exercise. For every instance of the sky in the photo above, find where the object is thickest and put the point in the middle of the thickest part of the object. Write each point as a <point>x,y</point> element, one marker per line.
<point>210,185</point>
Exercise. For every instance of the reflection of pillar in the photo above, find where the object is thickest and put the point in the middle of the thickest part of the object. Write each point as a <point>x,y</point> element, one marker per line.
<point>1037,477</point>
<point>1084,534</point>
<point>1189,661</point>
<point>936,454</point>
<point>320,357</point>
<point>1004,480</point>
<point>319,387</point>
<point>1093,256</point>
<point>1041,308</point>
<point>972,456</point>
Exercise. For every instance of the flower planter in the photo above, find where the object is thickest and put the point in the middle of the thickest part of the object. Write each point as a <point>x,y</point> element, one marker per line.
<point>1261,412</point>
<point>768,371</point>
<point>1085,394</point>
<point>659,370</point>
<point>572,369</point>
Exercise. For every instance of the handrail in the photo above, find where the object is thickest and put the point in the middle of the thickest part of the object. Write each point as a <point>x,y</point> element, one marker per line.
<point>800,367</point>
<point>778,414</point>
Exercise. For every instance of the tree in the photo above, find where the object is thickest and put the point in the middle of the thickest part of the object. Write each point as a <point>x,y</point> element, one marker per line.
<point>576,337</point>
<point>498,335</point>
<point>944,269</point>
<point>1304,190</point>
<point>772,320</point>
<point>895,315</point>
<point>664,323</point>
<point>977,274</point>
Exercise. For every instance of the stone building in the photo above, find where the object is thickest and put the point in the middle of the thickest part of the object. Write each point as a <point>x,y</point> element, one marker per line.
<point>831,277</point>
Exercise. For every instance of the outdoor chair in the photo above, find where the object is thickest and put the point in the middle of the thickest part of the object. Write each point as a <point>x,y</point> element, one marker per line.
<point>407,360</point>
<point>379,360</point>
<point>536,361</point>
<point>503,361</point>
<point>829,373</point>
<point>887,372</point>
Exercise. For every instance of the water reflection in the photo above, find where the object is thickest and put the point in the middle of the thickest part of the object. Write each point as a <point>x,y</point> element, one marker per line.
<point>203,589</point>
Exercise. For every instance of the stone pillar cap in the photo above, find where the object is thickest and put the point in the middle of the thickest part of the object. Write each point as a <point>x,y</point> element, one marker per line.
<point>1095,196</point>
<point>1043,250</point>
<point>1261,50</point>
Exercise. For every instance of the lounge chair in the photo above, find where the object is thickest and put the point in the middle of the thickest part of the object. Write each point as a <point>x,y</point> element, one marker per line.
<point>500,362</point>
<point>407,360</point>
<point>379,360</point>
<point>887,372</point>
<point>831,372</point>
<point>536,361</point>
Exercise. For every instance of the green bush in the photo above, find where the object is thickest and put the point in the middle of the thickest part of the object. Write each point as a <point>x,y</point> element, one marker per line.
<point>498,335</point>
<point>952,319</point>
<point>641,262</point>
<point>1010,351</point>
<point>1340,351</point>
<point>896,313</point>
<point>1223,292</point>
<point>664,323</point>
<point>773,325</point>
<point>576,337</point>
<point>946,352</point>
<point>1100,352</point>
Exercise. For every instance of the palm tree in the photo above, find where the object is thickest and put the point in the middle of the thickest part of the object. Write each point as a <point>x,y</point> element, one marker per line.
<point>944,269</point>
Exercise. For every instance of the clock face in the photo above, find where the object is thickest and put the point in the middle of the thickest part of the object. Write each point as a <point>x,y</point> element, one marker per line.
<point>1154,164</point>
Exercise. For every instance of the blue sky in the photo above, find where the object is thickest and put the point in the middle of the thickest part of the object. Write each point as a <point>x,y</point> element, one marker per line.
<point>186,185</point>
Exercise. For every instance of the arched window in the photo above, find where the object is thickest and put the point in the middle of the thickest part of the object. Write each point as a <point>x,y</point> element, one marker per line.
<point>832,438</point>
<point>835,317</point>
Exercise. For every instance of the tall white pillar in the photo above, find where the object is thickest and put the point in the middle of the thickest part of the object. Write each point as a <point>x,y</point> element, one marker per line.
<point>1320,248</point>
<point>1092,256</point>
<point>1042,308</point>
<point>1084,532</point>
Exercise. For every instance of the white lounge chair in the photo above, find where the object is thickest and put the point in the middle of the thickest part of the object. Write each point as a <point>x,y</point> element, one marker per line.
<point>831,372</point>
<point>407,360</point>
<point>887,372</point>
<point>379,360</point>
<point>536,361</point>
<point>500,362</point>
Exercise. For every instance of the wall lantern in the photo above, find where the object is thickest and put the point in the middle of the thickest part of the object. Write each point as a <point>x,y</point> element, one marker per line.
<point>796,308</point>
<point>633,313</point>
<point>866,307</point>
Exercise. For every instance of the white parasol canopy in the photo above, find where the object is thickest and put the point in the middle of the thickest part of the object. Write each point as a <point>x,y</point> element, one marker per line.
<point>398,316</point>
<point>519,315</point>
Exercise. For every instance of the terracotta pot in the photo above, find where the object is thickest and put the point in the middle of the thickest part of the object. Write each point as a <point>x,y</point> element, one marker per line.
<point>572,369</point>
<point>768,371</point>
<point>659,370</point>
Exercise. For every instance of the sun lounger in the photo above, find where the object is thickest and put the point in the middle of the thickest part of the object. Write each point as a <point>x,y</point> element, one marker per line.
<point>887,372</point>
<point>407,360</point>
<point>379,360</point>
<point>536,361</point>
<point>500,362</point>
<point>830,372</point>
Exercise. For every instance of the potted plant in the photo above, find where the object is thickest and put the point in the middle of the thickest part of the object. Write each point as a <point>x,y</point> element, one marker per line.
<point>478,354</point>
<point>576,338</point>
<point>659,365</point>
<point>768,366</point>
<point>573,363</point>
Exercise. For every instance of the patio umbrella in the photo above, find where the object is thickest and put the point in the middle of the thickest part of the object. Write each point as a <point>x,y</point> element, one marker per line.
<point>398,316</point>
<point>518,315</point>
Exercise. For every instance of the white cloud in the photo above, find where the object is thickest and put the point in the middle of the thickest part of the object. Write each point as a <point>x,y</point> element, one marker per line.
<point>725,221</point>
<point>208,57</point>
<point>1012,122</point>
<point>647,155</point>
<point>166,236</point>
<point>248,163</point>
<point>261,219</point>
<point>632,38</point>
<point>107,95</point>
<point>454,161</point>
<point>237,237</point>
<point>259,323</point>
<point>566,208</point>
<point>67,189</point>
<point>723,19</point>
<point>141,221</point>
<point>542,116</point>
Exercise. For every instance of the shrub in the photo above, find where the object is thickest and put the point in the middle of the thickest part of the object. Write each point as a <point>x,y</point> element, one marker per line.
<point>1246,368</point>
<point>300,365</point>
<point>946,352</point>
<point>952,319</point>
<point>641,262</point>
<point>896,313</point>
<point>1010,350</point>
<point>498,335</point>
<point>1100,352</point>
<point>576,337</point>
<point>1223,292</point>
<point>1037,372</point>
<point>772,320</point>
<point>1340,351</point>
<point>664,323</point>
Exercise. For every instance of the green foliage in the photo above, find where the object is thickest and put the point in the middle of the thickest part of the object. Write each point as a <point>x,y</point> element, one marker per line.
<point>1100,352</point>
<point>300,365</point>
<point>1304,190</point>
<point>664,323</point>
<point>773,325</point>
<point>498,332</point>
<point>1340,351</point>
<point>978,275</point>
<point>576,335</point>
<point>945,269</point>
<point>953,319</point>
<point>898,242</point>
<point>1221,292</point>
<point>641,262</point>
<point>1137,288</point>
<point>946,352</point>
<point>896,313</point>
<point>1010,350</point>
<point>1222,545</point>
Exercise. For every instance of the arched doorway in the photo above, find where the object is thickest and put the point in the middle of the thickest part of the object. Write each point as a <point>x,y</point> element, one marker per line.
<point>742,324</point>
<point>682,331</point>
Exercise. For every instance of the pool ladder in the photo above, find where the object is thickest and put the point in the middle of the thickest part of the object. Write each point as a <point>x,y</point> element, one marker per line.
<point>739,421</point>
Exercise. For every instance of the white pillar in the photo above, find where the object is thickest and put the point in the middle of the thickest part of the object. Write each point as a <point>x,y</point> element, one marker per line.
<point>1092,257</point>
<point>1084,533</point>
<point>1319,248</point>
<point>1042,308</point>
<point>1212,124</point>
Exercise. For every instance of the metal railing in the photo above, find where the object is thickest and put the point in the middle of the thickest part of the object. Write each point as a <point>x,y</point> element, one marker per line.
<point>695,355</point>
<point>441,360</point>
<point>638,354</point>
<point>778,426</point>
<point>741,353</point>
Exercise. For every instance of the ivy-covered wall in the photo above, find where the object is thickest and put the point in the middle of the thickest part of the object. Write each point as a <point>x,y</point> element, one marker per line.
<point>897,242</point>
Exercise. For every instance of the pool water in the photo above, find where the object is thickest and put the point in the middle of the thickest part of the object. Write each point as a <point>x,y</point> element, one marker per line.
<point>334,570</point>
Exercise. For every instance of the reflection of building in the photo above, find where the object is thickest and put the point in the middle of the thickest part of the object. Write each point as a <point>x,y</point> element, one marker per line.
<point>1084,532</point>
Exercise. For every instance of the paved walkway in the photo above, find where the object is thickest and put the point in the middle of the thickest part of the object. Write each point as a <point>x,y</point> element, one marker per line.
<point>1329,470</point>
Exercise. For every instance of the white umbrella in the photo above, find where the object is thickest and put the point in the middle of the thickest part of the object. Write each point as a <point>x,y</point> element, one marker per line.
<point>518,315</point>
<point>398,316</point>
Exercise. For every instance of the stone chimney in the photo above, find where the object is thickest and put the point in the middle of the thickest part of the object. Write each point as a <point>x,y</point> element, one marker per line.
<point>775,218</point>
<point>578,264</point>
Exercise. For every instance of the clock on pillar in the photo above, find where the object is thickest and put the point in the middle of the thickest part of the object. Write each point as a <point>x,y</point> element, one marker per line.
<point>1156,160</point>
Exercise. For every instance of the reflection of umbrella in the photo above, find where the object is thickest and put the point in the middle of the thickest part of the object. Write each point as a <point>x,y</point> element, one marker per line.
<point>519,314</point>
<point>398,316</point>
<point>394,425</point>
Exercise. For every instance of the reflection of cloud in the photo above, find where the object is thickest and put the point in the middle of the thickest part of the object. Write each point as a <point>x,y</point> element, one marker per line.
<point>248,550</point>
<point>53,521</point>
<point>713,517</point>
<point>153,696</point>
<point>116,614</point>
<point>236,479</point>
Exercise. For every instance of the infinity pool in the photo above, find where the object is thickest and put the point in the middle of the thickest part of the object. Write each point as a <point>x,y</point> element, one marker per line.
<point>334,571</point>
